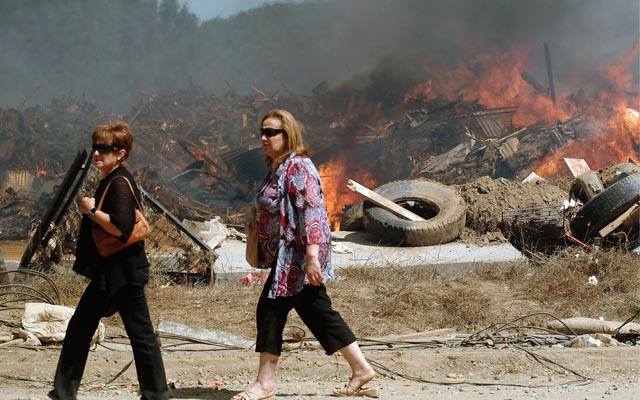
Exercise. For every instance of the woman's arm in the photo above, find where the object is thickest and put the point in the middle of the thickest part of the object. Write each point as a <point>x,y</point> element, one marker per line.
<point>120,205</point>
<point>314,270</point>
<point>99,217</point>
<point>306,195</point>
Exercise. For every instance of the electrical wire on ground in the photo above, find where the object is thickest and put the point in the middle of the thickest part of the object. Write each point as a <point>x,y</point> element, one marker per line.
<point>494,336</point>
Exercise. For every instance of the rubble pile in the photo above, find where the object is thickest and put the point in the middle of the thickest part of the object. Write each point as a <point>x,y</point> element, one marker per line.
<point>199,155</point>
<point>487,199</point>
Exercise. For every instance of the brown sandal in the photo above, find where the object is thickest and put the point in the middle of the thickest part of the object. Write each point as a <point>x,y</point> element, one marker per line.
<point>245,395</point>
<point>360,392</point>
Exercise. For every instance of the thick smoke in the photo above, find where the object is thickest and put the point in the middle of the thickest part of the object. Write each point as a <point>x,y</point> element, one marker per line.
<point>111,51</point>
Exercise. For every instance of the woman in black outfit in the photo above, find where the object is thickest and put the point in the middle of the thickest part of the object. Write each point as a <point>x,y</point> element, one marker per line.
<point>117,282</point>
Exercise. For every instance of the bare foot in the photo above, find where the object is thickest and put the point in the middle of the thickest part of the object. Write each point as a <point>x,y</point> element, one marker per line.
<point>254,392</point>
<point>358,380</point>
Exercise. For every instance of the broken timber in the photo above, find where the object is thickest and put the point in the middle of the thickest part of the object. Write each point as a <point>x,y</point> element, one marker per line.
<point>618,221</point>
<point>383,202</point>
<point>534,83</point>
<point>552,91</point>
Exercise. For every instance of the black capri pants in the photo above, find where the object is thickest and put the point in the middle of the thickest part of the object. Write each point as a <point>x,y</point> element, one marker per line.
<point>313,305</point>
<point>134,311</point>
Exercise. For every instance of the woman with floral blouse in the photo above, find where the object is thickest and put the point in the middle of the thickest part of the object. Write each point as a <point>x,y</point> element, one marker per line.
<point>295,241</point>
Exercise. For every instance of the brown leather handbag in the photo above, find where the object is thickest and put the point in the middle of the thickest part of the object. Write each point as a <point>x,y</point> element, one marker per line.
<point>108,244</point>
<point>252,252</point>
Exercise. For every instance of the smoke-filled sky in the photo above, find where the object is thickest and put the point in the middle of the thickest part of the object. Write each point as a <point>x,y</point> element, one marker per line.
<point>209,9</point>
<point>112,50</point>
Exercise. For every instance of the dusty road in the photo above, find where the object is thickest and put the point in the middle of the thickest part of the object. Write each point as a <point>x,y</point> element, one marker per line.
<point>405,372</point>
<point>458,373</point>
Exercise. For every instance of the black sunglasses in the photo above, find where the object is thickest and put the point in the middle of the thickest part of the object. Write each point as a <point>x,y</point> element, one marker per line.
<point>104,148</point>
<point>270,132</point>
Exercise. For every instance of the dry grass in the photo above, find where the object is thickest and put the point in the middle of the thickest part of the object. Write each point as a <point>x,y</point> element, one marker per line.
<point>562,284</point>
<point>388,300</point>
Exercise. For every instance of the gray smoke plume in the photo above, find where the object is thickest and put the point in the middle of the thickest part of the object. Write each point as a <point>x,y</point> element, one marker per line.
<point>110,51</point>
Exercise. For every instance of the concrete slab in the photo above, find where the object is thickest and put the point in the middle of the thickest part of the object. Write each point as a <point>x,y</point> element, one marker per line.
<point>362,249</point>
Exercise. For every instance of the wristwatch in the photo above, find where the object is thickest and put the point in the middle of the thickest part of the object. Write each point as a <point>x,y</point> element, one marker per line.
<point>92,213</point>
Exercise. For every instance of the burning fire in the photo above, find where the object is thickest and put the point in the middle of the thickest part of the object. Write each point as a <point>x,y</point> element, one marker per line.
<point>202,156</point>
<point>615,112</point>
<point>334,175</point>
<point>422,92</point>
<point>495,80</point>
<point>40,171</point>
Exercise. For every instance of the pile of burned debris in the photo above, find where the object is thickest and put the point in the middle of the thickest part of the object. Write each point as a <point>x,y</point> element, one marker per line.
<point>198,154</point>
<point>203,150</point>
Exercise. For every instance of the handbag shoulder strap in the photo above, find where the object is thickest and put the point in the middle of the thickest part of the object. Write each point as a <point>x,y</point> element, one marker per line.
<point>130,187</point>
<point>104,194</point>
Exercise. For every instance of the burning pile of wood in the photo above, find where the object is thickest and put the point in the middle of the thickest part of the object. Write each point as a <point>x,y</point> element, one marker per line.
<point>199,153</point>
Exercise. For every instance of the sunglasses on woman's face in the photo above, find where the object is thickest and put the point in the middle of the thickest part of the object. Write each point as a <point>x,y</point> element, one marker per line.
<point>270,132</point>
<point>104,148</point>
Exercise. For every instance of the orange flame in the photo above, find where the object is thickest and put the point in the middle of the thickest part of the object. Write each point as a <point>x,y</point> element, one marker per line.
<point>615,112</point>
<point>202,156</point>
<point>493,80</point>
<point>422,92</point>
<point>335,175</point>
<point>40,171</point>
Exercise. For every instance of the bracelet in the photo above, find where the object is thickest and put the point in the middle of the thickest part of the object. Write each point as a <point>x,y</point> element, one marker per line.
<point>92,213</point>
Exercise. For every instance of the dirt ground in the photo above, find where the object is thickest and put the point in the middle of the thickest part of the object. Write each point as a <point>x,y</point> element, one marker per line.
<point>409,357</point>
<point>447,374</point>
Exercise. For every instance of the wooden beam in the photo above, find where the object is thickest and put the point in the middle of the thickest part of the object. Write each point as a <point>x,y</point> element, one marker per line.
<point>383,202</point>
<point>552,90</point>
<point>618,221</point>
<point>534,83</point>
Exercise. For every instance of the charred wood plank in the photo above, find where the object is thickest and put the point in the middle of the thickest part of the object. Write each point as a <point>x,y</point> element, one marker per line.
<point>500,140</point>
<point>534,83</point>
<point>552,90</point>
<point>475,114</point>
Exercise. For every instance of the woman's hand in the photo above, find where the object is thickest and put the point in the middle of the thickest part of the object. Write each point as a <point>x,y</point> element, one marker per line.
<point>86,204</point>
<point>100,218</point>
<point>314,270</point>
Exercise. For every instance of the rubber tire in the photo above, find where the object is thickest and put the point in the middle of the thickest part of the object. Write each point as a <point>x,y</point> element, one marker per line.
<point>609,176</point>
<point>444,201</point>
<point>351,220</point>
<point>606,206</point>
<point>586,186</point>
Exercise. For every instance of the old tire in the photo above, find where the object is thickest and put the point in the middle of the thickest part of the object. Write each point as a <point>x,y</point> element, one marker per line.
<point>586,186</point>
<point>441,206</point>
<point>351,220</point>
<point>606,206</point>
<point>614,173</point>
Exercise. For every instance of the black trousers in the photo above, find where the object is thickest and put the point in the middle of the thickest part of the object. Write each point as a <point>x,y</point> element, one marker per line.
<point>134,311</point>
<point>313,305</point>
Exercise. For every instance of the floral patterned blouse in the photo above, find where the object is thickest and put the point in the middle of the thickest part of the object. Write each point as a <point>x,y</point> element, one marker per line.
<point>292,214</point>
